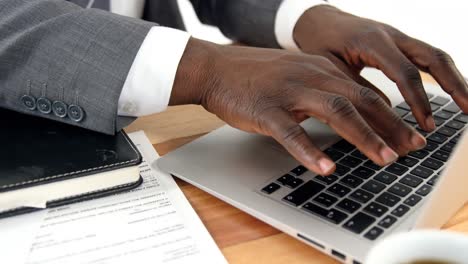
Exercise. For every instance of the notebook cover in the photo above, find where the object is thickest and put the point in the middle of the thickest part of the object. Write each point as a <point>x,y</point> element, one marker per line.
<point>39,151</point>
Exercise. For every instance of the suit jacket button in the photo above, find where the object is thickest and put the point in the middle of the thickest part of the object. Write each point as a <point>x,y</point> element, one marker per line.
<point>29,102</point>
<point>75,113</point>
<point>44,105</point>
<point>60,109</point>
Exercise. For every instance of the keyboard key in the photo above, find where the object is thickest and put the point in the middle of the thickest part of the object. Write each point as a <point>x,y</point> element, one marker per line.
<point>388,199</point>
<point>325,199</point>
<point>359,223</point>
<point>438,121</point>
<point>271,188</point>
<point>400,189</point>
<point>421,131</point>
<point>397,169</point>
<point>420,154</point>
<point>437,138</point>
<point>376,209</point>
<point>410,119</point>
<point>446,131</point>
<point>404,106</point>
<point>439,100</point>
<point>448,147</point>
<point>412,200</point>
<point>348,205</point>
<point>407,161</point>
<point>350,161</point>
<point>434,107</point>
<point>294,183</point>
<point>385,177</point>
<point>430,146</point>
<point>362,196</point>
<point>363,172</point>
<point>422,172</point>
<point>455,125</point>
<point>299,170</point>
<point>401,112</point>
<point>401,210</point>
<point>358,154</point>
<point>387,221</point>
<point>335,155</point>
<point>341,170</point>
<point>424,190</point>
<point>441,155</point>
<point>462,118</point>
<point>327,179</point>
<point>303,193</point>
<point>351,181</point>
<point>411,181</point>
<point>432,164</point>
<point>443,115</point>
<point>455,139</point>
<point>452,108</point>
<point>344,146</point>
<point>331,215</point>
<point>370,164</point>
<point>432,181</point>
<point>429,95</point>
<point>373,186</point>
<point>373,233</point>
<point>285,179</point>
<point>339,190</point>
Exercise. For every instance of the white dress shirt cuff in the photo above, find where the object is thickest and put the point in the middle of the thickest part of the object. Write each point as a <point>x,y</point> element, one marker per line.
<point>287,17</point>
<point>148,86</point>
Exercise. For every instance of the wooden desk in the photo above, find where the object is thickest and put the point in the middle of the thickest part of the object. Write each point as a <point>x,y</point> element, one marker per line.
<point>242,238</point>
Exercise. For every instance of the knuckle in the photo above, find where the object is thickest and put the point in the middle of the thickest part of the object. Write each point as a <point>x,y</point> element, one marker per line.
<point>375,33</point>
<point>367,96</point>
<point>441,56</point>
<point>396,123</point>
<point>291,134</point>
<point>410,73</point>
<point>369,136</point>
<point>338,104</point>
<point>324,61</point>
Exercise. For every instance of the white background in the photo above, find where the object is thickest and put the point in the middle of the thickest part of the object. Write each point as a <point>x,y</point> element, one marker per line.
<point>442,23</point>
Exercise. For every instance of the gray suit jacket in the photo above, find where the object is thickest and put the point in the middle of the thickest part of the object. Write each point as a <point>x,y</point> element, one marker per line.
<point>69,64</point>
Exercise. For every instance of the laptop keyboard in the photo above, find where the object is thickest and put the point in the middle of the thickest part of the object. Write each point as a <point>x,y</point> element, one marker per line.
<point>367,199</point>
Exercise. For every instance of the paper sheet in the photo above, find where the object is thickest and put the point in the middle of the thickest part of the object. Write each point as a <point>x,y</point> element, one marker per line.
<point>151,224</point>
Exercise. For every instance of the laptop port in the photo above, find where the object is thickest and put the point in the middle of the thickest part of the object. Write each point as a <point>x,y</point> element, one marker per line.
<point>311,241</point>
<point>338,254</point>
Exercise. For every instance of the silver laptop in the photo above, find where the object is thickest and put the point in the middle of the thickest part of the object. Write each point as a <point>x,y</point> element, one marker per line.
<point>344,214</point>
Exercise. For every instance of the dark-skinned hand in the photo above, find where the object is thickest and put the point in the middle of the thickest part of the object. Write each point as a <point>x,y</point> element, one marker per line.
<point>351,43</point>
<point>271,91</point>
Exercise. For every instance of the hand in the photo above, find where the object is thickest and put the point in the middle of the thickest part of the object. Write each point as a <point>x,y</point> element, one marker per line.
<point>352,42</point>
<point>270,92</point>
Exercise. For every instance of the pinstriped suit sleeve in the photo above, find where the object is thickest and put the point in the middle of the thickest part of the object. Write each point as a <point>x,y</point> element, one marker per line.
<point>69,54</point>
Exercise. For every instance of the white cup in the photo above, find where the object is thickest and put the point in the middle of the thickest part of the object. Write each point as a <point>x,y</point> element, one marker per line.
<point>429,246</point>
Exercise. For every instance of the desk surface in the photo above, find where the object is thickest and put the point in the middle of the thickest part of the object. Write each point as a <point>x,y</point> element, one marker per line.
<point>242,238</point>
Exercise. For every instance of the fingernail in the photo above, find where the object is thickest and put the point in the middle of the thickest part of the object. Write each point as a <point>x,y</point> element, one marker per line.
<point>418,141</point>
<point>326,165</point>
<point>430,124</point>
<point>388,155</point>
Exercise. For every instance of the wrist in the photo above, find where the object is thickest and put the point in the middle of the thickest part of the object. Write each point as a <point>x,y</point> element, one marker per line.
<point>195,74</point>
<point>310,22</point>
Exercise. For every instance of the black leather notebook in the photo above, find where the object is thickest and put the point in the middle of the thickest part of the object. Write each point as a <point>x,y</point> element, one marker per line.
<point>45,164</point>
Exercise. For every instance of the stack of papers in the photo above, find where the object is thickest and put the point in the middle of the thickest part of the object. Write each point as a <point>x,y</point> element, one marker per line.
<point>151,224</point>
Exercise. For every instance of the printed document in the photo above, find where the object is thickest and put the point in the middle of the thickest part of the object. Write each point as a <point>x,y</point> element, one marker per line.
<point>153,223</point>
